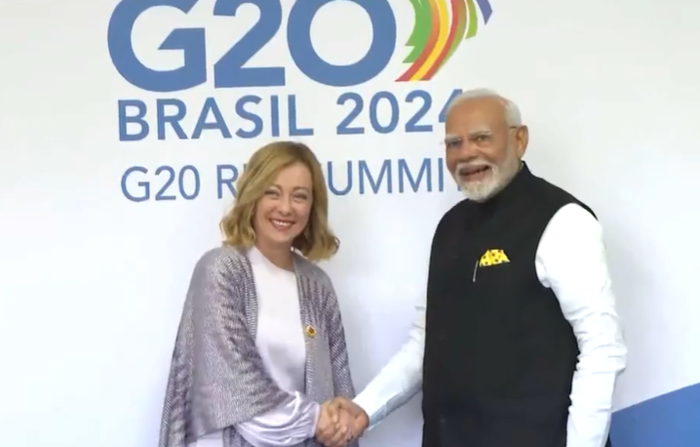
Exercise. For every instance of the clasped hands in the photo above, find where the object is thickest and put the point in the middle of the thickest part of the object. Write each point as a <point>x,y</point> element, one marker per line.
<point>341,422</point>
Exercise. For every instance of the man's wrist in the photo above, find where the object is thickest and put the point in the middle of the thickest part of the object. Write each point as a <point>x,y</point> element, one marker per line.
<point>364,406</point>
<point>360,402</point>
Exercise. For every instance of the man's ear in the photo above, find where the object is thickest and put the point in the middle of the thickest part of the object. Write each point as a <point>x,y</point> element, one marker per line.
<point>522,137</point>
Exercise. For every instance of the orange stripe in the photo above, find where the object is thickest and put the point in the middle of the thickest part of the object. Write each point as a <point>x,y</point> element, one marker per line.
<point>442,34</point>
<point>450,39</point>
<point>432,40</point>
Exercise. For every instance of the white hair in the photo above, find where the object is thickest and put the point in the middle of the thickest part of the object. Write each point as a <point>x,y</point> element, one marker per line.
<point>512,113</point>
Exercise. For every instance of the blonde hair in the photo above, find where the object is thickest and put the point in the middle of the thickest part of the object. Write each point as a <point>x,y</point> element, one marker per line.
<point>317,241</point>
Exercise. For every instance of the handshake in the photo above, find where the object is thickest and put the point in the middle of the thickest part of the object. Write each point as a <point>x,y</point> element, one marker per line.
<point>341,422</point>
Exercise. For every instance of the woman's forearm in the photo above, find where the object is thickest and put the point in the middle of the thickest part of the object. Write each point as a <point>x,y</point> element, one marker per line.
<point>287,425</point>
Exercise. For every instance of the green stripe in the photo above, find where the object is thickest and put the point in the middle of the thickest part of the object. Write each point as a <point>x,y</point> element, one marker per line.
<point>472,18</point>
<point>421,29</point>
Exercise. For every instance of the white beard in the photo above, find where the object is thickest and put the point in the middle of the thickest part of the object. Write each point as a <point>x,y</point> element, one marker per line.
<point>500,176</point>
<point>482,190</point>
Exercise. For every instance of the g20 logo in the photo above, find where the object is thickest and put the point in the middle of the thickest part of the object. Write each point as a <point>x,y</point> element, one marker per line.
<point>439,28</point>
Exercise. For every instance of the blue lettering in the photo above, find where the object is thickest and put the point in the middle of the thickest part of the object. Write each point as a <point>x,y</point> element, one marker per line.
<point>144,186</point>
<point>393,112</point>
<point>196,183</point>
<point>387,122</point>
<point>405,173</point>
<point>191,42</point>
<point>188,190</point>
<point>170,183</point>
<point>308,61</point>
<point>412,125</point>
<point>256,120</point>
<point>230,71</point>
<point>226,175</point>
<point>219,123</point>
<point>331,183</point>
<point>443,113</point>
<point>366,174</point>
<point>441,175</point>
<point>252,119</point>
<point>170,178</point>
<point>294,129</point>
<point>344,127</point>
<point>275,116</point>
<point>125,119</point>
<point>174,120</point>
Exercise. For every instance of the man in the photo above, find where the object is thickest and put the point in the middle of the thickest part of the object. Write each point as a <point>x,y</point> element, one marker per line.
<point>521,344</point>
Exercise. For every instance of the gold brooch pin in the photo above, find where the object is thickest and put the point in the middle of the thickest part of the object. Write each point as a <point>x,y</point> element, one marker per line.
<point>310,331</point>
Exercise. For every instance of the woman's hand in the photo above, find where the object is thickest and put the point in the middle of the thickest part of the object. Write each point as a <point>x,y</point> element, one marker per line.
<point>335,426</point>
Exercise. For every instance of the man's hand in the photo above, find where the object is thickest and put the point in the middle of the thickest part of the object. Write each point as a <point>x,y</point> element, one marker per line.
<point>341,422</point>
<point>334,426</point>
<point>360,420</point>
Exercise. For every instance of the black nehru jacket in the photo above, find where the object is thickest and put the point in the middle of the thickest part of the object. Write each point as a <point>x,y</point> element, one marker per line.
<point>499,354</point>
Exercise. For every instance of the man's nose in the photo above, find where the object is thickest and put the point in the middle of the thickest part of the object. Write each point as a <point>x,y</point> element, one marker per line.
<point>468,150</point>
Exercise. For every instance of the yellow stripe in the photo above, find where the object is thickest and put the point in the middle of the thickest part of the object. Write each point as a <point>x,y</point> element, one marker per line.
<point>444,33</point>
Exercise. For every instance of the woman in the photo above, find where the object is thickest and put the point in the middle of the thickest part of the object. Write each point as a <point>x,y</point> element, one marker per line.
<point>261,343</point>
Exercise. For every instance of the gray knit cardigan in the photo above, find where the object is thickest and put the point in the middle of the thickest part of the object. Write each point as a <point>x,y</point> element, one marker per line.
<point>217,378</point>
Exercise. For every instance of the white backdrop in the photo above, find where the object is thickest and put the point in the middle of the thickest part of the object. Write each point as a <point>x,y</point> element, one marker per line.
<point>92,283</point>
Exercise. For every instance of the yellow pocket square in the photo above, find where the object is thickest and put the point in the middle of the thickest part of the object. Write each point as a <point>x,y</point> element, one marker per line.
<point>493,257</point>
